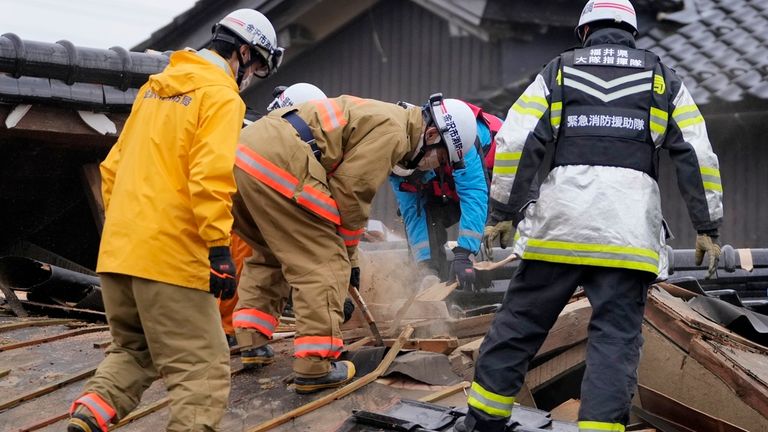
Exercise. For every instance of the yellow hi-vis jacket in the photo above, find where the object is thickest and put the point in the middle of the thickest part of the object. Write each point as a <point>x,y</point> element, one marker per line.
<point>167,182</point>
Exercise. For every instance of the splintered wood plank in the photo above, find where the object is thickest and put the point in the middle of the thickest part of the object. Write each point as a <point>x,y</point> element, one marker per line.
<point>567,411</point>
<point>490,265</point>
<point>442,394</point>
<point>47,389</point>
<point>34,323</point>
<point>666,368</point>
<point>437,292</point>
<point>51,338</point>
<point>340,393</point>
<point>678,412</point>
<point>570,327</point>
<point>736,375</point>
<point>557,367</point>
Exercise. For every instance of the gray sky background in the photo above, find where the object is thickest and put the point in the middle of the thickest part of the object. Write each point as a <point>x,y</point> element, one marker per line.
<point>89,23</point>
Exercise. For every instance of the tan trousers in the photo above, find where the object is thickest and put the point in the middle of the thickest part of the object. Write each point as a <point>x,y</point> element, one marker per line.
<point>291,248</point>
<point>170,331</point>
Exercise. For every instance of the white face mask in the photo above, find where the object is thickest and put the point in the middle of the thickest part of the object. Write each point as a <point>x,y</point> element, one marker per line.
<point>430,161</point>
<point>245,82</point>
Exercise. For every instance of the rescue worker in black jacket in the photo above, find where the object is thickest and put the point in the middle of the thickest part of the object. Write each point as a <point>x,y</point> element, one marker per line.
<point>608,108</point>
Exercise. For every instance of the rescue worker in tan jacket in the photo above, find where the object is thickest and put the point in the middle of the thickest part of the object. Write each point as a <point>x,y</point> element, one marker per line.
<point>306,176</point>
<point>167,186</point>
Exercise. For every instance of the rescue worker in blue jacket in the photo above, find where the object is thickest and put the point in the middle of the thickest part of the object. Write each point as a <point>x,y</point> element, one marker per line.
<point>435,195</point>
<point>608,108</point>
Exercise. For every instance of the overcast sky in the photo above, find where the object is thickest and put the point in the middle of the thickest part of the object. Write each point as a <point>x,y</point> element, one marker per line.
<point>89,23</point>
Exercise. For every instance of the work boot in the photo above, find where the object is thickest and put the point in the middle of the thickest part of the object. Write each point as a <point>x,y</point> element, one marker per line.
<point>341,373</point>
<point>255,358</point>
<point>231,340</point>
<point>82,423</point>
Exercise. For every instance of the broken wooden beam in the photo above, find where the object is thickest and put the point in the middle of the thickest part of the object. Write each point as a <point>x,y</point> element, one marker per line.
<point>13,301</point>
<point>340,393</point>
<point>442,394</point>
<point>47,389</point>
<point>34,323</point>
<point>51,338</point>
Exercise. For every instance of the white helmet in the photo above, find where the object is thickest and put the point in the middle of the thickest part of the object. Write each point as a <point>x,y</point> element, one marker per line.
<point>254,29</point>
<point>618,11</point>
<point>294,95</point>
<point>457,125</point>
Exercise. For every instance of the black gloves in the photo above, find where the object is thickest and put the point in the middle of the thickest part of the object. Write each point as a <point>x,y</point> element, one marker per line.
<point>354,277</point>
<point>349,308</point>
<point>222,282</point>
<point>349,305</point>
<point>462,267</point>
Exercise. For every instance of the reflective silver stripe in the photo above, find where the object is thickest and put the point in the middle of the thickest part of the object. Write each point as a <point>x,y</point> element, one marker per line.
<point>331,113</point>
<point>317,347</point>
<point>253,320</point>
<point>333,210</point>
<point>607,97</point>
<point>215,59</point>
<point>506,163</point>
<point>473,234</point>
<point>95,408</point>
<point>264,170</point>
<point>473,394</point>
<point>687,115</point>
<point>607,84</point>
<point>711,179</point>
<point>658,120</point>
<point>531,104</point>
<point>591,254</point>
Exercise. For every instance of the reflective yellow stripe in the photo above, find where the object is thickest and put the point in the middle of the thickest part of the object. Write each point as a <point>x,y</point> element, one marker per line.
<point>713,186</point>
<point>690,122</point>
<point>556,111</point>
<point>710,171</point>
<point>659,119</point>
<point>659,113</point>
<point>490,403</point>
<point>503,170</point>
<point>687,115</point>
<point>593,426</point>
<point>531,105</point>
<point>508,156</point>
<point>535,99</point>
<point>592,254</point>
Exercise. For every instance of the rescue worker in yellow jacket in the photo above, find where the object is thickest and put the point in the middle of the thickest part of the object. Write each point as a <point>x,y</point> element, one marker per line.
<point>164,255</point>
<point>306,176</point>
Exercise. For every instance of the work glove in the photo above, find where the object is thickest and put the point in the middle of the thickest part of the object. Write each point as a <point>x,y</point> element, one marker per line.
<point>222,284</point>
<point>463,269</point>
<point>354,277</point>
<point>349,308</point>
<point>503,231</point>
<point>707,243</point>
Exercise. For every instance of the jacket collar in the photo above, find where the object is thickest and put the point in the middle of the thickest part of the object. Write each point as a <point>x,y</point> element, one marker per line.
<point>610,36</point>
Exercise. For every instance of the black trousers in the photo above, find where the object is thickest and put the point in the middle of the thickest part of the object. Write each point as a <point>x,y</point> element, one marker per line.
<point>537,294</point>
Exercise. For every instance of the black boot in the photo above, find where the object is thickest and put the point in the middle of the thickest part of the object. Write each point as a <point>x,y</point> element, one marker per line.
<point>255,358</point>
<point>82,423</point>
<point>341,373</point>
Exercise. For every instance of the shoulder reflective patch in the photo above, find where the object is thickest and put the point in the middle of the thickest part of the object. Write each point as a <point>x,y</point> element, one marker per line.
<point>659,86</point>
